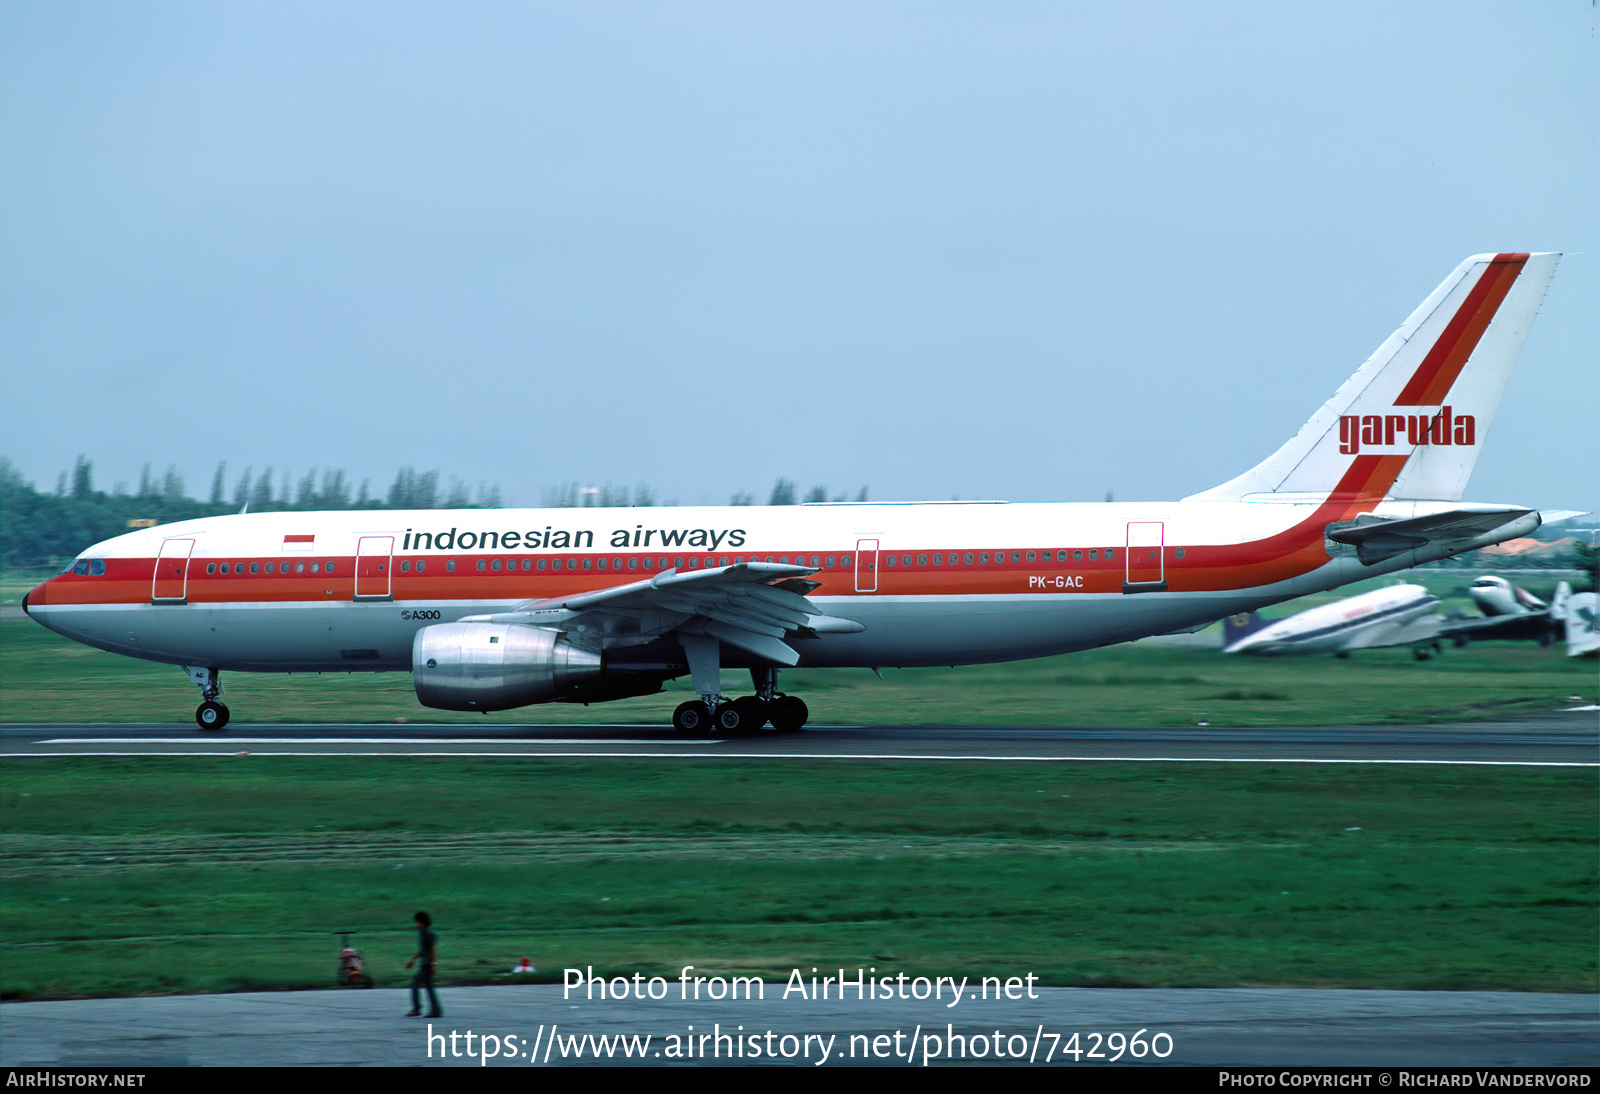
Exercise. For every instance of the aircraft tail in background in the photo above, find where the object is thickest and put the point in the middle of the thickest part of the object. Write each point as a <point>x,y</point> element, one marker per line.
<point>1582,638</point>
<point>1236,627</point>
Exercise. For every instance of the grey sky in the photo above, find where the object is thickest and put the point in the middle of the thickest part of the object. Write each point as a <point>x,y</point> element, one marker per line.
<point>1032,251</point>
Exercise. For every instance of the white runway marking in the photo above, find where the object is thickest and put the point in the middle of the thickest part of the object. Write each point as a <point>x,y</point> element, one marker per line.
<point>463,741</point>
<point>833,756</point>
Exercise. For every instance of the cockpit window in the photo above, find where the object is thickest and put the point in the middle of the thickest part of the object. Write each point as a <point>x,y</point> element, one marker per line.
<point>81,566</point>
<point>97,566</point>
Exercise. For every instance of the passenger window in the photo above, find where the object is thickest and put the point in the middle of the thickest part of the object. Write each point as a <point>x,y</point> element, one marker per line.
<point>481,565</point>
<point>694,564</point>
<point>316,567</point>
<point>1094,555</point>
<point>922,560</point>
<point>1077,556</point>
<point>450,566</point>
<point>1030,556</point>
<point>1061,556</point>
<point>845,561</point>
<point>830,562</point>
<point>1108,553</point>
<point>299,567</point>
<point>649,563</point>
<point>422,564</point>
<point>602,564</point>
<point>888,560</point>
<point>495,567</point>
<point>633,564</point>
<point>1016,556</point>
<point>983,558</point>
<point>211,568</point>
<point>724,562</point>
<point>1180,552</point>
<point>588,564</point>
<point>405,567</point>
<point>527,564</point>
<point>541,564</point>
<point>255,567</point>
<point>224,567</point>
<point>272,567</point>
<point>938,560</point>
<point>968,558</point>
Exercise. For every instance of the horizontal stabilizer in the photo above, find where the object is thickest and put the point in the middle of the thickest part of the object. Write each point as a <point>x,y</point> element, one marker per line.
<point>1376,539</point>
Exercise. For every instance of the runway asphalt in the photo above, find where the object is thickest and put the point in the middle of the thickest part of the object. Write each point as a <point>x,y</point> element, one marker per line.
<point>1553,738</point>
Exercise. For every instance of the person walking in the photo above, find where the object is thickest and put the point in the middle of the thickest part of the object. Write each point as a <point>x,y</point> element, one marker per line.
<point>428,954</point>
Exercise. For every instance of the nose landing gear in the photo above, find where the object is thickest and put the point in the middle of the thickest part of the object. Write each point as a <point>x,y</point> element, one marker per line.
<point>210,715</point>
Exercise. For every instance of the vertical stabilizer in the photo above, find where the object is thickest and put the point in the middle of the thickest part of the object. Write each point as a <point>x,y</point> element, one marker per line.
<point>1411,422</point>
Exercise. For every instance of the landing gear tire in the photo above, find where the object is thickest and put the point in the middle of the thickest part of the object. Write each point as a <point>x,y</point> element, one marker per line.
<point>755,710</point>
<point>211,716</point>
<point>740,717</point>
<point>692,719</point>
<point>787,713</point>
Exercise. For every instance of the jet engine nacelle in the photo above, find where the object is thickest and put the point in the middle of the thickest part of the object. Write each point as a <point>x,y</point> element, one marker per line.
<point>497,666</point>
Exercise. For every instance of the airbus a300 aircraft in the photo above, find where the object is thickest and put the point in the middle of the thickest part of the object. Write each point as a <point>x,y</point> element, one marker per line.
<point>494,609</point>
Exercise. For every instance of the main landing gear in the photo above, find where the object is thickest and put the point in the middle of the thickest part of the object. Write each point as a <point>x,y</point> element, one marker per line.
<point>713,713</point>
<point>210,715</point>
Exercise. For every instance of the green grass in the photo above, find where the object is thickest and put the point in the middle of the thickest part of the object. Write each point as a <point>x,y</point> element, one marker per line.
<point>163,875</point>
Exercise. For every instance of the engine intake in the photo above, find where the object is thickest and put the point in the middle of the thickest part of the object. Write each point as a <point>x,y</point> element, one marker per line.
<point>497,666</point>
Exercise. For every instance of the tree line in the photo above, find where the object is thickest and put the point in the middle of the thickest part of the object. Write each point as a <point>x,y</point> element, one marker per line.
<point>45,529</point>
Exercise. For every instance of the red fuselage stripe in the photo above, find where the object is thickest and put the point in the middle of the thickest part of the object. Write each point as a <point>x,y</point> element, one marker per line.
<point>1431,382</point>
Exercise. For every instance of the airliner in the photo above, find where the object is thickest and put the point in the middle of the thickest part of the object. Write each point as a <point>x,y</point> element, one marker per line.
<point>498,609</point>
<point>1395,616</point>
<point>1403,615</point>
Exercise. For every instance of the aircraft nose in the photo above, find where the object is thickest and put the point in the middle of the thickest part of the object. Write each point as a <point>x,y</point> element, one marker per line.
<point>25,602</point>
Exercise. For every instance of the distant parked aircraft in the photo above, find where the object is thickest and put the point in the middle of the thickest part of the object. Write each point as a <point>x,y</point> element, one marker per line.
<point>1399,615</point>
<point>1511,612</point>
<point>1406,615</point>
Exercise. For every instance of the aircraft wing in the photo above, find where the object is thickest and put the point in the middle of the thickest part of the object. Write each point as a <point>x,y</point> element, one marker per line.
<point>752,605</point>
<point>1376,539</point>
<point>1539,626</point>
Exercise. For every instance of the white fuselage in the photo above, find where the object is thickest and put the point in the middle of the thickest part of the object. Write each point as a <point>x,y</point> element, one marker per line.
<point>931,584</point>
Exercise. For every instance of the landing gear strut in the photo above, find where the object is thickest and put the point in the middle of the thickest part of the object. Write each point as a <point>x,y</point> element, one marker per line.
<point>210,715</point>
<point>714,712</point>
